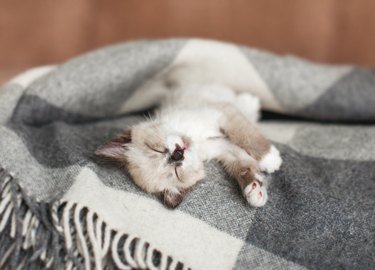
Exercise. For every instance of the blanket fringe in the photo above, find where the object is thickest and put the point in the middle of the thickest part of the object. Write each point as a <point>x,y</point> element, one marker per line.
<point>67,235</point>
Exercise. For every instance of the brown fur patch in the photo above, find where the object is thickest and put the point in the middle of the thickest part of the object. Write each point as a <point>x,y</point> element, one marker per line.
<point>242,132</point>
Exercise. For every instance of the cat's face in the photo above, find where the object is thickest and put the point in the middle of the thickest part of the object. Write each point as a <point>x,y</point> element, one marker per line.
<point>159,161</point>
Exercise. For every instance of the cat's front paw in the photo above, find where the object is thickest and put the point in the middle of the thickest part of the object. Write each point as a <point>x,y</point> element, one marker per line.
<point>172,198</point>
<point>271,162</point>
<point>255,194</point>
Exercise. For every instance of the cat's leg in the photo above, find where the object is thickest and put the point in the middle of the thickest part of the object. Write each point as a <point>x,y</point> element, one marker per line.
<point>242,167</point>
<point>146,96</point>
<point>249,105</point>
<point>245,134</point>
<point>172,199</point>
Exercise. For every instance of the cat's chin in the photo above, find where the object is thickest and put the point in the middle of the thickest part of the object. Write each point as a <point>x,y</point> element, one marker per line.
<point>172,199</point>
<point>194,177</point>
<point>173,196</point>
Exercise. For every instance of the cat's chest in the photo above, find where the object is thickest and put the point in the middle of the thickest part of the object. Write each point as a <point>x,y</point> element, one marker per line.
<point>198,124</point>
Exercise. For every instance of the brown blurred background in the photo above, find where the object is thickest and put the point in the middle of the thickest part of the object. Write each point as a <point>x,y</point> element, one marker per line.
<point>40,32</point>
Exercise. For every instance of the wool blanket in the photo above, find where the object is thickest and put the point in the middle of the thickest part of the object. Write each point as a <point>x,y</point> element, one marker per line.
<point>62,208</point>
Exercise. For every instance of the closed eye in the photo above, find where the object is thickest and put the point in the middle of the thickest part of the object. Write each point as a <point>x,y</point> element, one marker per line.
<point>156,150</point>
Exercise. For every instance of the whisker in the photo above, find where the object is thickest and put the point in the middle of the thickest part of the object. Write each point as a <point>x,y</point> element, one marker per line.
<point>175,170</point>
<point>216,137</point>
<point>149,115</point>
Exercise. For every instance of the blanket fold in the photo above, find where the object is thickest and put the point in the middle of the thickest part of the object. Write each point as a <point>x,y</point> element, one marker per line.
<point>61,208</point>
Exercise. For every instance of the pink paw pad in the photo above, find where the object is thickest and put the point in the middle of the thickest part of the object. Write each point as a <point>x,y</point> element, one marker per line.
<point>255,194</point>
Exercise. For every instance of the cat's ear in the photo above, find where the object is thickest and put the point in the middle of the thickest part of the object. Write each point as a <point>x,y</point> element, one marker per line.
<point>115,148</point>
<point>173,199</point>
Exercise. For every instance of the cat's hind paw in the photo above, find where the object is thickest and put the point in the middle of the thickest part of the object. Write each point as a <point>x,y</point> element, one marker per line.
<point>271,162</point>
<point>255,194</point>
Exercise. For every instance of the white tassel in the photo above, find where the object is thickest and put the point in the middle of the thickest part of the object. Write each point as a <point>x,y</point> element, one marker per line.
<point>140,253</point>
<point>163,262</point>
<point>43,255</point>
<point>6,187</point>
<point>69,265</point>
<point>27,238</point>
<point>115,255</point>
<point>25,223</point>
<point>98,235</point>
<point>82,240</point>
<point>70,227</point>
<point>55,217</point>
<point>94,243</point>
<point>49,263</point>
<point>5,182</point>
<point>33,231</point>
<point>67,231</point>
<point>27,235</point>
<point>5,202</point>
<point>127,251</point>
<point>6,255</point>
<point>149,262</point>
<point>173,265</point>
<point>6,217</point>
<point>13,225</point>
<point>107,239</point>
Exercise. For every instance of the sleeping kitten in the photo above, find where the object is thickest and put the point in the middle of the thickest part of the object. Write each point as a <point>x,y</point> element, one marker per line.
<point>194,124</point>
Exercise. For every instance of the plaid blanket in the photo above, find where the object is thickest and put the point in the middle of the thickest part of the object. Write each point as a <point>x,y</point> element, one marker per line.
<point>62,208</point>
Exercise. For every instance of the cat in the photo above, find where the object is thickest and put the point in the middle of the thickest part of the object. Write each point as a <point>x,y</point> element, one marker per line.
<point>196,123</point>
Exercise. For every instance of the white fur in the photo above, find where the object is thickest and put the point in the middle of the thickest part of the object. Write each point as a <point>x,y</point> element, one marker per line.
<point>271,162</point>
<point>255,194</point>
<point>200,124</point>
<point>249,105</point>
<point>197,124</point>
<point>172,140</point>
<point>180,112</point>
<point>205,62</point>
<point>184,112</point>
<point>194,111</point>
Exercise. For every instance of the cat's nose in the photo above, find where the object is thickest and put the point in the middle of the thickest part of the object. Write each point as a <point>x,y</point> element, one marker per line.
<point>178,153</point>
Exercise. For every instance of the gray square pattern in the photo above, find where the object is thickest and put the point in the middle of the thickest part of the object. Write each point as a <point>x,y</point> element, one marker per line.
<point>321,209</point>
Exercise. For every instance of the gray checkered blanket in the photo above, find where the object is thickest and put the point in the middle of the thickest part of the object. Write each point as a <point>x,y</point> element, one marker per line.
<point>62,208</point>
